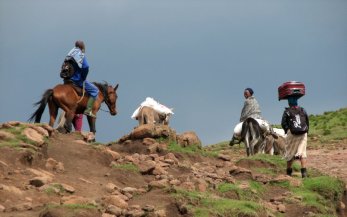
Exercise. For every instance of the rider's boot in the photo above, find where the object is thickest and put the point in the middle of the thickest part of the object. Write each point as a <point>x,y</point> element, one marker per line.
<point>289,171</point>
<point>303,173</point>
<point>89,108</point>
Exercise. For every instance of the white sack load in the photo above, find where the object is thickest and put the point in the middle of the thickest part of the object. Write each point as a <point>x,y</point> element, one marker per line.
<point>150,102</point>
<point>264,125</point>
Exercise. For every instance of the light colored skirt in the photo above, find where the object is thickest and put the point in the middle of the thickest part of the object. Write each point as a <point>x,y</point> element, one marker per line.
<point>295,146</point>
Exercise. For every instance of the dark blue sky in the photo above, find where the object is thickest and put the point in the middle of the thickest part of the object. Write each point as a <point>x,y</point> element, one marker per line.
<point>194,56</point>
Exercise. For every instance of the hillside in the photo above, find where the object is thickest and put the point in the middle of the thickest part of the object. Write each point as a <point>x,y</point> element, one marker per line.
<point>158,173</point>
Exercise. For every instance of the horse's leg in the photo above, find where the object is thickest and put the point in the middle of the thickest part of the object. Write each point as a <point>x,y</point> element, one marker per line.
<point>68,123</point>
<point>53,112</point>
<point>91,122</point>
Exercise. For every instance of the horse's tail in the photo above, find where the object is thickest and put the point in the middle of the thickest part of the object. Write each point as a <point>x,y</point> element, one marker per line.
<point>43,102</point>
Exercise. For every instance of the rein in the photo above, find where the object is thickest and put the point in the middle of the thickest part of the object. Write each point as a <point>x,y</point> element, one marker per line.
<point>83,92</point>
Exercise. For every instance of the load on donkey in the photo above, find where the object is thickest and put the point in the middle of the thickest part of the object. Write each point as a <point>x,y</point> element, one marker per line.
<point>152,112</point>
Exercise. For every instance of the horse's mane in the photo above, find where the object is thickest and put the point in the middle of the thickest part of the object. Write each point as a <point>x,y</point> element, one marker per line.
<point>103,88</point>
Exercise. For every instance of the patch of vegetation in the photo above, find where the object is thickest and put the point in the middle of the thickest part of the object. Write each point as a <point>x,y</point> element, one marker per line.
<point>191,149</point>
<point>248,194</point>
<point>18,137</point>
<point>54,189</point>
<point>205,204</point>
<point>127,166</point>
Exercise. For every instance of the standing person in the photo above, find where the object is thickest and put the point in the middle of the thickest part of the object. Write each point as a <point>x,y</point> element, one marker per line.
<point>80,75</point>
<point>295,124</point>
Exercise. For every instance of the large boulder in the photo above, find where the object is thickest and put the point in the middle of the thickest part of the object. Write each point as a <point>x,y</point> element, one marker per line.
<point>150,131</point>
<point>188,138</point>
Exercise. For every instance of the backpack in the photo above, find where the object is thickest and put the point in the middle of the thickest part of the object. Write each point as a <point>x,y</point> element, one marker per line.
<point>68,68</point>
<point>297,120</point>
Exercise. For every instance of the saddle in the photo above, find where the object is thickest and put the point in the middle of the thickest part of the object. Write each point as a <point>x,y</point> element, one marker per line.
<point>78,89</point>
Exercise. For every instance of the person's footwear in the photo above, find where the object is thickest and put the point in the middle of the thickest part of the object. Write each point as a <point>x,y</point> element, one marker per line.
<point>89,108</point>
<point>303,173</point>
<point>289,171</point>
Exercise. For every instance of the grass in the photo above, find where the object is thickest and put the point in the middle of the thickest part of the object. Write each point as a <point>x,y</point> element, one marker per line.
<point>127,167</point>
<point>206,204</point>
<point>191,149</point>
<point>18,137</point>
<point>249,194</point>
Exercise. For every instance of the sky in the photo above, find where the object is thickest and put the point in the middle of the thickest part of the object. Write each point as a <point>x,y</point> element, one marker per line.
<point>196,56</point>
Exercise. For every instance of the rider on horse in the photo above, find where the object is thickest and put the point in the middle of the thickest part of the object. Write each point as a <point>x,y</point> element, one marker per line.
<point>80,75</point>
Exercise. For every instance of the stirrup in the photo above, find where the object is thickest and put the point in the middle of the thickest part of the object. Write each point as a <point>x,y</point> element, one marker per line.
<point>90,114</point>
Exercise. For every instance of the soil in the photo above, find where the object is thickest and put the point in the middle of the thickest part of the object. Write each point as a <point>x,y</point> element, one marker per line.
<point>88,170</point>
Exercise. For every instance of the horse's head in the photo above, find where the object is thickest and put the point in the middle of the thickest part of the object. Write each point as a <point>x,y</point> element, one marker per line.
<point>67,69</point>
<point>111,99</point>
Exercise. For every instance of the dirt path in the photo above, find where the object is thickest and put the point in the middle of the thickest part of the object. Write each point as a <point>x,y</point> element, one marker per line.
<point>330,161</point>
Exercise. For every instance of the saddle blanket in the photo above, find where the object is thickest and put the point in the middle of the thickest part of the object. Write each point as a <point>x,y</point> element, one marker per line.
<point>150,102</point>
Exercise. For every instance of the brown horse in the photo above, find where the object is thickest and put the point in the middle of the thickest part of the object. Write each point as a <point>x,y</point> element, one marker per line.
<point>65,96</point>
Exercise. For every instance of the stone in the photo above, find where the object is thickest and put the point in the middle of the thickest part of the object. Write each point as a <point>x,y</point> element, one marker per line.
<point>110,187</point>
<point>40,181</point>
<point>115,200</point>
<point>224,157</point>
<point>114,210</point>
<point>34,136</point>
<point>6,135</point>
<point>148,141</point>
<point>147,167</point>
<point>188,138</point>
<point>2,208</point>
<point>114,155</point>
<point>40,130</point>
<point>160,213</point>
<point>159,184</point>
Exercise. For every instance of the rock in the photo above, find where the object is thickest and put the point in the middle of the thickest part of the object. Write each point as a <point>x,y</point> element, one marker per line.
<point>2,208</point>
<point>160,213</point>
<point>135,213</point>
<point>110,187</point>
<point>158,170</point>
<point>115,200</point>
<point>40,181</point>
<point>130,190</point>
<point>171,156</point>
<point>188,138</point>
<point>34,136</point>
<point>6,135</point>
<point>109,215</point>
<point>114,210</point>
<point>146,167</point>
<point>114,155</point>
<point>150,131</point>
<point>68,188</point>
<point>148,208</point>
<point>224,157</point>
<point>148,141</point>
<point>281,208</point>
<point>54,165</point>
<point>241,173</point>
<point>159,184</point>
<point>12,189</point>
<point>40,130</point>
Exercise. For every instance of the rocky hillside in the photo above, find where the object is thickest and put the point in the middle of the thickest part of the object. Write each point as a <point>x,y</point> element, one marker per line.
<point>152,171</point>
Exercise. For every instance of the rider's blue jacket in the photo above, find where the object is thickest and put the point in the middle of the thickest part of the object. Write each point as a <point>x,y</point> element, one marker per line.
<point>80,74</point>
